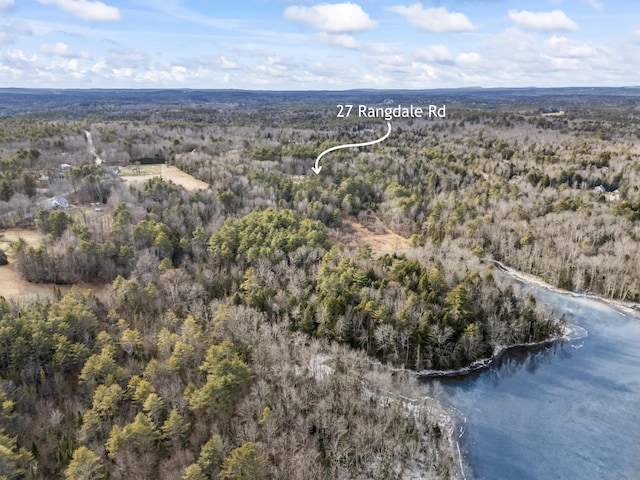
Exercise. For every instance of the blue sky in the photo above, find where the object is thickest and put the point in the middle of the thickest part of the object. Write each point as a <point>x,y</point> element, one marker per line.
<point>309,45</point>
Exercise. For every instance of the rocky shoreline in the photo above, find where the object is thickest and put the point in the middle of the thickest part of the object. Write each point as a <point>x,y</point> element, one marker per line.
<point>498,354</point>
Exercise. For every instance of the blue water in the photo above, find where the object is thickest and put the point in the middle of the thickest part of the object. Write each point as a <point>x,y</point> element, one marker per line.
<point>568,411</point>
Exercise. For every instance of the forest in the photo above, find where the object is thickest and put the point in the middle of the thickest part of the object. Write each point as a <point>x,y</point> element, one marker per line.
<point>265,326</point>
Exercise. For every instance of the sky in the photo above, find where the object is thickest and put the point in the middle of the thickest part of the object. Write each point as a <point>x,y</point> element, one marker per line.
<point>312,45</point>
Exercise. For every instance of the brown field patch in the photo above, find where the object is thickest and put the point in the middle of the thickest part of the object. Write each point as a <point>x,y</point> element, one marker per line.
<point>137,180</point>
<point>381,241</point>
<point>179,177</point>
<point>32,237</point>
<point>12,287</point>
<point>169,172</point>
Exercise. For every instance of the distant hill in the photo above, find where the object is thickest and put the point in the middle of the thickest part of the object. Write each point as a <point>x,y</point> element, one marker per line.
<point>76,103</point>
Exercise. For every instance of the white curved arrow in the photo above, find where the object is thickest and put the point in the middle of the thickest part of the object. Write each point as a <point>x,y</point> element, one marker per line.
<point>316,168</point>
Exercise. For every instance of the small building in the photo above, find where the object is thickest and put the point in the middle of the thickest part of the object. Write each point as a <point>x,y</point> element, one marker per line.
<point>56,203</point>
<point>600,189</point>
<point>553,114</point>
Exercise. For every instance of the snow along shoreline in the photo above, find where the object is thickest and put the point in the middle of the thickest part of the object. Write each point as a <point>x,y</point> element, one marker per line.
<point>626,308</point>
<point>570,332</point>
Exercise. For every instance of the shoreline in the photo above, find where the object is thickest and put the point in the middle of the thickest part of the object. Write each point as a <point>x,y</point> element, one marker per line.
<point>499,353</point>
<point>570,330</point>
<point>569,333</point>
<point>624,307</point>
<point>465,392</point>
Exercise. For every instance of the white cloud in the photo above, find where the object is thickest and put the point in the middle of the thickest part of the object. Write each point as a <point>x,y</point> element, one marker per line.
<point>70,67</point>
<point>9,33</point>
<point>86,10</point>
<point>60,49</point>
<point>318,58</point>
<point>555,20</point>
<point>597,6</point>
<point>467,58</point>
<point>423,73</point>
<point>6,5</point>
<point>332,17</point>
<point>513,41</point>
<point>376,80</point>
<point>388,63</point>
<point>436,20</point>
<point>17,54</point>
<point>176,74</point>
<point>126,58</point>
<point>564,48</point>
<point>517,57</point>
<point>305,76</point>
<point>10,73</point>
<point>121,73</point>
<point>384,48</point>
<point>339,40</point>
<point>20,27</point>
<point>17,59</point>
<point>227,64</point>
<point>99,67</point>
<point>435,54</point>
<point>275,66</point>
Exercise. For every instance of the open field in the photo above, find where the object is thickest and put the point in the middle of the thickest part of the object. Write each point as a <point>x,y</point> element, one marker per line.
<point>167,172</point>
<point>33,237</point>
<point>140,170</point>
<point>179,177</point>
<point>12,287</point>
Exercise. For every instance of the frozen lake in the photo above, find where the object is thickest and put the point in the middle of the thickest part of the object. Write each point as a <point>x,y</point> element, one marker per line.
<point>570,410</point>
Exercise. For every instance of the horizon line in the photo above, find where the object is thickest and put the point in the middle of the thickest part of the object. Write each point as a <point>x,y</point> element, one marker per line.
<point>364,89</point>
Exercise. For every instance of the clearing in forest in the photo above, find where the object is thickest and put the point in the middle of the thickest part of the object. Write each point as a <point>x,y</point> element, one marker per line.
<point>381,240</point>
<point>140,170</point>
<point>167,172</point>
<point>12,287</point>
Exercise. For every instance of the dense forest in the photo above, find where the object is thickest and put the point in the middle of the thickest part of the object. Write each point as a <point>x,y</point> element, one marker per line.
<point>251,329</point>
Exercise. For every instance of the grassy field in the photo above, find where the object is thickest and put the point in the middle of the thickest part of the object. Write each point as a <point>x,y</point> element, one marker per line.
<point>144,170</point>
<point>167,172</point>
